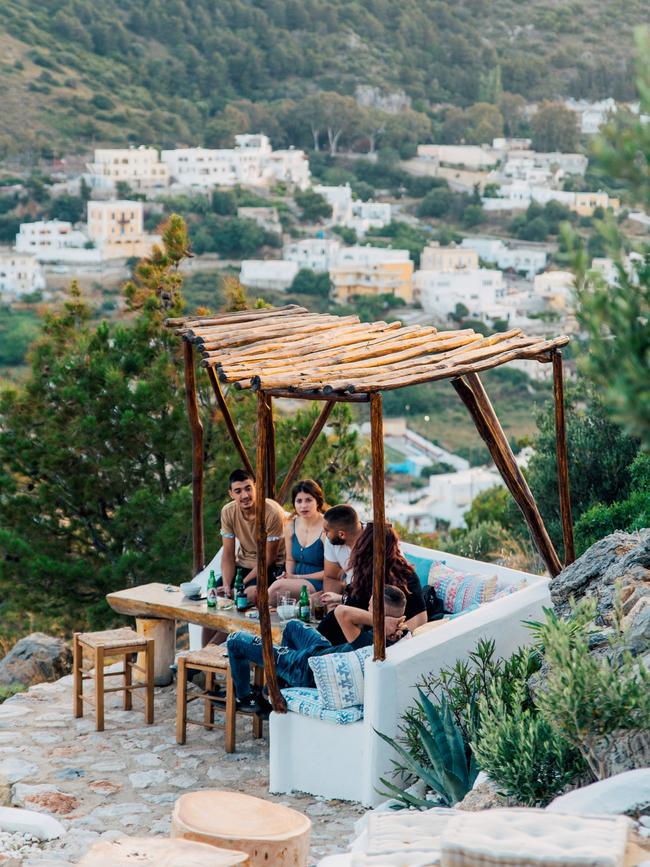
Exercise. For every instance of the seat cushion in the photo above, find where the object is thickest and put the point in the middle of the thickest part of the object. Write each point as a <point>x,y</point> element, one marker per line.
<point>339,677</point>
<point>422,565</point>
<point>306,702</point>
<point>113,639</point>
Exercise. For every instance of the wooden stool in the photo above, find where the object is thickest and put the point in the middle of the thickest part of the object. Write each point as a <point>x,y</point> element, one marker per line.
<point>162,852</point>
<point>212,659</point>
<point>269,833</point>
<point>113,642</point>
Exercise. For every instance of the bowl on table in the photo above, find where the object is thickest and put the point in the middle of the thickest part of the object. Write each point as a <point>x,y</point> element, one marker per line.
<point>191,589</point>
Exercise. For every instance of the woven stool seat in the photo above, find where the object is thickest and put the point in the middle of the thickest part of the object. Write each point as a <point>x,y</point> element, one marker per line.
<point>215,655</point>
<point>113,638</point>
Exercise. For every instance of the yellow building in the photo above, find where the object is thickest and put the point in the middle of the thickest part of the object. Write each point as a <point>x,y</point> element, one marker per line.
<point>586,203</point>
<point>451,258</point>
<point>372,271</point>
<point>116,228</point>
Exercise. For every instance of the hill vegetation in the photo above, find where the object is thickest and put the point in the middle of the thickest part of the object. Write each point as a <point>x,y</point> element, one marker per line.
<point>193,70</point>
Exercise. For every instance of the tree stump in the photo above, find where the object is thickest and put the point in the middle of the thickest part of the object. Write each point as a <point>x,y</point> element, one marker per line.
<point>162,852</point>
<point>163,633</point>
<point>269,833</point>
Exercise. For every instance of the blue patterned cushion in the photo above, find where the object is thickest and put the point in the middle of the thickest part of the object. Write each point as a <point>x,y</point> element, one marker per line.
<point>339,677</point>
<point>422,565</point>
<point>305,701</point>
<point>459,591</point>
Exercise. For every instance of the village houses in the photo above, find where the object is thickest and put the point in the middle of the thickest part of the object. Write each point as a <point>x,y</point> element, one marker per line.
<point>139,167</point>
<point>20,274</point>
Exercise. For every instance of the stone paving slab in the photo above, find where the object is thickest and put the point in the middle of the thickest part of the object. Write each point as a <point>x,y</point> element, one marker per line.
<point>125,780</point>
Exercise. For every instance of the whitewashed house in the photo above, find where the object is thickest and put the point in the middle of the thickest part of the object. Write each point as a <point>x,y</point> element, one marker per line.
<point>274,274</point>
<point>592,115</point>
<point>555,288</point>
<point>20,274</point>
<point>526,260</point>
<point>141,168</point>
<point>481,290</point>
<point>56,241</point>
<point>369,215</point>
<point>477,157</point>
<point>313,254</point>
<point>339,199</point>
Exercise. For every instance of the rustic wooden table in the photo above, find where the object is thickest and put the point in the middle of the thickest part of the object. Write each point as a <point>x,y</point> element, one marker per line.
<point>157,609</point>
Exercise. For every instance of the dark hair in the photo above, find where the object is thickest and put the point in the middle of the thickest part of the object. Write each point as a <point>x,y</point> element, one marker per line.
<point>394,597</point>
<point>342,518</point>
<point>398,569</point>
<point>239,475</point>
<point>309,486</point>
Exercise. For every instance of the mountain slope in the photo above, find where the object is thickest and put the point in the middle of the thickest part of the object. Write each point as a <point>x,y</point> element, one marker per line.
<point>162,70</point>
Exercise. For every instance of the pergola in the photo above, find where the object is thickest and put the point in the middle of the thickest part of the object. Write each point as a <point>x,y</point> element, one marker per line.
<point>288,352</point>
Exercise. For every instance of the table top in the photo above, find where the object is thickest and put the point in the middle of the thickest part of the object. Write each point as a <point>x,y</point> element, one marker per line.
<point>153,600</point>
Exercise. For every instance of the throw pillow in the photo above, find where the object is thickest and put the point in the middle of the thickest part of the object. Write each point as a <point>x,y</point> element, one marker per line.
<point>339,677</point>
<point>422,566</point>
<point>306,702</point>
<point>458,591</point>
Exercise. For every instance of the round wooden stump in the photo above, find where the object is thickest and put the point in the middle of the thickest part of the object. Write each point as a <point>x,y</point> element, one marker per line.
<point>269,833</point>
<point>163,633</point>
<point>162,852</point>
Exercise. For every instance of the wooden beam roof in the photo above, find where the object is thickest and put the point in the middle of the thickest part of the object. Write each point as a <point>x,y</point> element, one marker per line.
<point>290,350</point>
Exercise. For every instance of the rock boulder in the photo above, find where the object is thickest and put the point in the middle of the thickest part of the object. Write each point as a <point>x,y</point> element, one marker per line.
<point>35,659</point>
<point>620,558</point>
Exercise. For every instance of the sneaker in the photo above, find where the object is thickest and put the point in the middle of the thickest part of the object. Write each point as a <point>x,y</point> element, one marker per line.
<point>248,704</point>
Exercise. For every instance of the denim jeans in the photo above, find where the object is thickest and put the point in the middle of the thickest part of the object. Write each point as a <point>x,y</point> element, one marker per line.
<point>299,642</point>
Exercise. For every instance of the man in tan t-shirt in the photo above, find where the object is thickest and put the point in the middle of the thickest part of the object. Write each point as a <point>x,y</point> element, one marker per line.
<point>238,525</point>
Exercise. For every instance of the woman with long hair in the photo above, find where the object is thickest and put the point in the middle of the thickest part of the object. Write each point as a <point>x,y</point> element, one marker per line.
<point>303,539</point>
<point>399,573</point>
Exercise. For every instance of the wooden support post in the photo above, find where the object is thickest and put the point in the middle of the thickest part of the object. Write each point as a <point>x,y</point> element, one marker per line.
<point>270,453</point>
<point>263,433</point>
<point>228,419</point>
<point>379,525</point>
<point>305,448</point>
<point>562,459</point>
<point>484,417</point>
<point>198,548</point>
<point>163,634</point>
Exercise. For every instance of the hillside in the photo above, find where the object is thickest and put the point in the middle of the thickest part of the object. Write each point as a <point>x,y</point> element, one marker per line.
<point>74,73</point>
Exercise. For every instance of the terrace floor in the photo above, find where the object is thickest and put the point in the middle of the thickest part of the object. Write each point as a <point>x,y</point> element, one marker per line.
<point>125,780</point>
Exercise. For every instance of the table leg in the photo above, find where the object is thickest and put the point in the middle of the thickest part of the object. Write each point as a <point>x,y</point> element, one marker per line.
<point>163,633</point>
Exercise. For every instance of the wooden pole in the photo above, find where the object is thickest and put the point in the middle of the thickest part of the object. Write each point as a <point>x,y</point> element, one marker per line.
<point>379,525</point>
<point>270,453</point>
<point>263,433</point>
<point>298,461</point>
<point>482,412</point>
<point>196,428</point>
<point>230,424</point>
<point>562,459</point>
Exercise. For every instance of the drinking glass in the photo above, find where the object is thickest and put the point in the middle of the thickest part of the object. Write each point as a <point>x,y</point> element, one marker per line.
<point>286,607</point>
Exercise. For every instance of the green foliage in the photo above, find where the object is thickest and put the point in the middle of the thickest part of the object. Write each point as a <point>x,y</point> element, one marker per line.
<point>308,282</point>
<point>522,753</point>
<point>401,236</point>
<point>313,206</point>
<point>7,691</point>
<point>590,700</point>
<point>18,328</point>
<point>347,235</point>
<point>490,505</point>
<point>554,128</point>
<point>478,124</point>
<point>447,771</point>
<point>436,203</point>
<point>437,469</point>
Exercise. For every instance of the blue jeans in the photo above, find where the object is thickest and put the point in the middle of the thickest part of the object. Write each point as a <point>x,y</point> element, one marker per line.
<point>299,642</point>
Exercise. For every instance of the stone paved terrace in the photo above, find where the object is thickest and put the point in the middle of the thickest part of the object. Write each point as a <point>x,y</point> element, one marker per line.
<point>125,780</point>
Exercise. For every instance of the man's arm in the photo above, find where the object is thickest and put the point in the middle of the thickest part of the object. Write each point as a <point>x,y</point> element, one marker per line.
<point>332,577</point>
<point>352,620</point>
<point>228,564</point>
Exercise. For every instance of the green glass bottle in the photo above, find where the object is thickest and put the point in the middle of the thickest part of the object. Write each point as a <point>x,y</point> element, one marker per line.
<point>212,590</point>
<point>303,605</point>
<point>241,600</point>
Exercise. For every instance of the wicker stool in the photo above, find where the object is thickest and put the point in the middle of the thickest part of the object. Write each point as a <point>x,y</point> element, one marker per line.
<point>212,660</point>
<point>100,645</point>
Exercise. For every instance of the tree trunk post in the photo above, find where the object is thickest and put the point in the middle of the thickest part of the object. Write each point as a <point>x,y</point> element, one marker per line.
<point>379,525</point>
<point>484,417</point>
<point>270,452</point>
<point>562,459</point>
<point>230,424</point>
<point>196,428</point>
<point>299,460</point>
<point>263,434</point>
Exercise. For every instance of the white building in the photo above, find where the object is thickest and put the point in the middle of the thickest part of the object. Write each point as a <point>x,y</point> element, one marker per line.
<point>262,274</point>
<point>552,161</point>
<point>481,290</point>
<point>608,269</point>
<point>56,241</point>
<point>366,270</point>
<point>340,200</point>
<point>20,274</point>
<point>524,260</point>
<point>139,167</point>
<point>313,254</point>
<point>369,215</point>
<point>252,162</point>
<point>477,157</point>
<point>556,288</point>
<point>592,115</point>
<point>518,195</point>
<point>450,258</point>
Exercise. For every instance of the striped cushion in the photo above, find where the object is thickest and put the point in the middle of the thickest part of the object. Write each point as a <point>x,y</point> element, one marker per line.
<point>458,591</point>
<point>305,701</point>
<point>339,677</point>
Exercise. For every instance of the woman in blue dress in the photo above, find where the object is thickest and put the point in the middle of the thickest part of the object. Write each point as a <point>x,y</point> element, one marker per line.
<point>303,538</point>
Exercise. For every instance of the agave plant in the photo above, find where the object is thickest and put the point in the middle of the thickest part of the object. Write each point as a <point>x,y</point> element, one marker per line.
<point>452,771</point>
